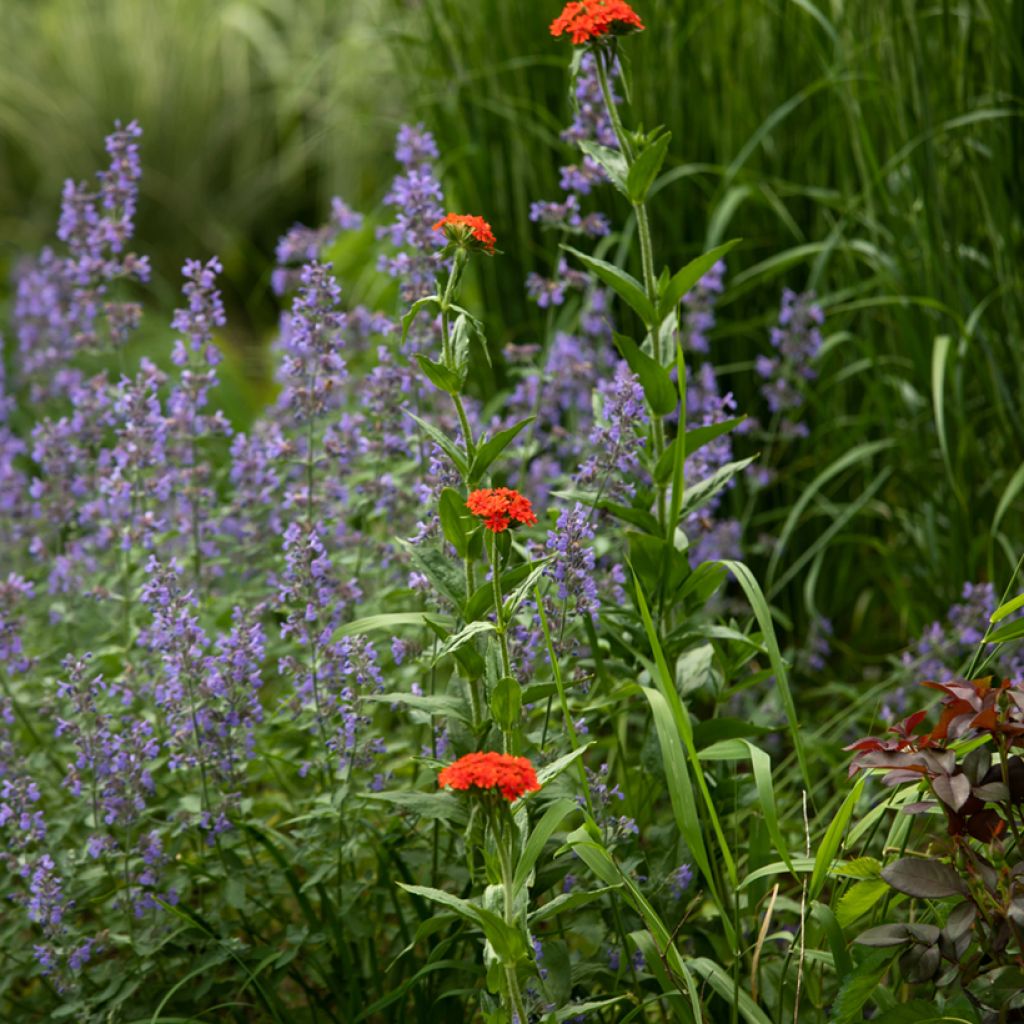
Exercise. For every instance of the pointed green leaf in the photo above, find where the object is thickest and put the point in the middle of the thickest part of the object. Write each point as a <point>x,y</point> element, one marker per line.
<point>489,450</point>
<point>646,167</point>
<point>682,281</point>
<point>624,285</point>
<point>661,393</point>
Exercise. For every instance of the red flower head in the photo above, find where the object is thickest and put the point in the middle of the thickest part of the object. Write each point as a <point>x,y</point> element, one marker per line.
<point>513,776</point>
<point>498,506</point>
<point>588,20</point>
<point>467,231</point>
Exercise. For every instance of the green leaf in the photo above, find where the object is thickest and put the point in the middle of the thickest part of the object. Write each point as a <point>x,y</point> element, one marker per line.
<point>568,901</point>
<point>487,452</point>
<point>432,806</point>
<point>389,622</point>
<point>440,376</point>
<point>1011,631</point>
<point>482,600</point>
<point>725,985</point>
<point>634,516</point>
<point>462,329</point>
<point>436,704</point>
<point>458,458</point>
<point>693,441</point>
<point>702,492</point>
<point>624,285</point>
<point>553,770</point>
<point>438,568</point>
<point>683,280</point>
<point>512,603</point>
<point>645,168</point>
<point>413,310</point>
<point>829,847</point>
<point>1007,609</point>
<point>506,702</point>
<point>762,613</point>
<point>611,160</point>
<point>508,942</point>
<point>456,522</point>
<point>858,987</point>
<point>468,633</point>
<point>552,820</point>
<point>859,899</point>
<point>661,393</point>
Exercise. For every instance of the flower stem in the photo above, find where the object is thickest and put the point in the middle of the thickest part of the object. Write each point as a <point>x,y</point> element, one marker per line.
<point>504,843</point>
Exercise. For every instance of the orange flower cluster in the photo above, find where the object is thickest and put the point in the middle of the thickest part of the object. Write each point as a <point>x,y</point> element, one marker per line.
<point>498,506</point>
<point>592,19</point>
<point>461,227</point>
<point>514,776</point>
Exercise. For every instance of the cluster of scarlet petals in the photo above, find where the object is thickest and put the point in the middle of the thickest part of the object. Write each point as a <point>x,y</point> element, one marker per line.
<point>593,19</point>
<point>488,770</point>
<point>461,227</point>
<point>499,507</point>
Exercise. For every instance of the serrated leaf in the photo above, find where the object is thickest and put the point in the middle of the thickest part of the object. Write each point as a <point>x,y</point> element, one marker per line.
<point>624,285</point>
<point>923,878</point>
<point>859,899</point>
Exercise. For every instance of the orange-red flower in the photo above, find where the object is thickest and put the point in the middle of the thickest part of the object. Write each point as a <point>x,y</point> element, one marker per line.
<point>498,506</point>
<point>513,776</point>
<point>465,229</point>
<point>593,19</point>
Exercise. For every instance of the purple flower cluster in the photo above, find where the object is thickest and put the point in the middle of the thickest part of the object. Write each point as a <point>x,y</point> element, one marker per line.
<point>942,649</point>
<point>416,196</point>
<point>603,799</point>
<point>573,563</point>
<point>60,299</point>
<point>15,590</point>
<point>300,245</point>
<point>591,123</point>
<point>797,341</point>
<point>616,438</point>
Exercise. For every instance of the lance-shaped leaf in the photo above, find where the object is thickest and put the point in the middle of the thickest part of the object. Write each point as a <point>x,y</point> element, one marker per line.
<point>439,375</point>
<point>624,285</point>
<point>490,449</point>
<point>659,390</point>
<point>645,168</point>
<point>682,281</point>
<point>456,522</point>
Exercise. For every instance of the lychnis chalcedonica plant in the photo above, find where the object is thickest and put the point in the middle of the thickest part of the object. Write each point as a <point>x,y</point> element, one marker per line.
<point>388,703</point>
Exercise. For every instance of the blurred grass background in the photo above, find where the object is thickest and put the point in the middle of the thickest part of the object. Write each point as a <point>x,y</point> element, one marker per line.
<point>869,150</point>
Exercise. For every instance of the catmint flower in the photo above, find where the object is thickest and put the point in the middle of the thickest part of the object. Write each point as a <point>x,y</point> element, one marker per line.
<point>797,341</point>
<point>572,566</point>
<point>300,245</point>
<point>616,437</point>
<point>680,880</point>
<point>416,197</point>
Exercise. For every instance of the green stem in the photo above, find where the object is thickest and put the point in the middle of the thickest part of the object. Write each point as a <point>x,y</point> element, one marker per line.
<point>507,735</point>
<point>504,843</point>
